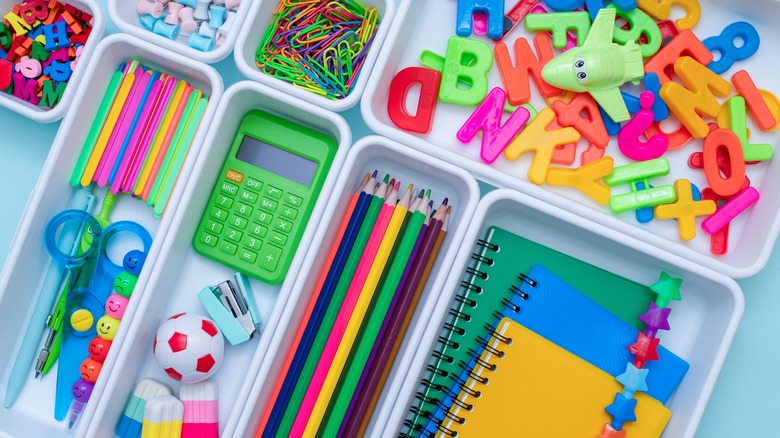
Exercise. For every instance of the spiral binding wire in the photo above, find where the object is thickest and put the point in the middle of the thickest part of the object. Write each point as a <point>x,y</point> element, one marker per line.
<point>446,342</point>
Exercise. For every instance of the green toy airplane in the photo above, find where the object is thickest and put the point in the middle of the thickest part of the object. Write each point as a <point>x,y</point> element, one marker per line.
<point>598,67</point>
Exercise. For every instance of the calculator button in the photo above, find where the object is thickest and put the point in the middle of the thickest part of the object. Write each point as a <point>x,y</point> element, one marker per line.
<point>208,239</point>
<point>247,255</point>
<point>219,214</point>
<point>223,201</point>
<point>229,188</point>
<point>283,225</point>
<point>277,238</point>
<point>243,209</point>
<point>295,201</point>
<point>264,218</point>
<point>238,222</point>
<point>228,247</point>
<point>269,257</point>
<point>213,226</point>
<point>258,230</point>
<point>288,213</point>
<point>268,205</point>
<point>248,196</point>
<point>273,192</point>
<point>234,176</point>
<point>252,243</point>
<point>233,235</point>
<point>253,184</point>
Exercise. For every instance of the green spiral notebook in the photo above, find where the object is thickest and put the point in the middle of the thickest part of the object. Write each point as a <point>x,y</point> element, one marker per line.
<point>489,284</point>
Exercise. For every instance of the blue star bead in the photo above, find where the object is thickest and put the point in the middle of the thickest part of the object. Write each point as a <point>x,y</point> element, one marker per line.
<point>622,410</point>
<point>667,288</point>
<point>655,319</point>
<point>633,380</point>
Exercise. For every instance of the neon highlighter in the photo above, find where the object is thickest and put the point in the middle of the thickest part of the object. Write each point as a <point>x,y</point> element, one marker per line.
<point>167,137</point>
<point>121,135</point>
<point>108,127</point>
<point>151,130</point>
<point>173,146</point>
<point>122,125</point>
<point>138,128</point>
<point>171,176</point>
<point>97,125</point>
<point>181,87</point>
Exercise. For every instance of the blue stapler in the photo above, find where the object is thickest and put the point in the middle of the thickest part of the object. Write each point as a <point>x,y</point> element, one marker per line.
<point>232,306</point>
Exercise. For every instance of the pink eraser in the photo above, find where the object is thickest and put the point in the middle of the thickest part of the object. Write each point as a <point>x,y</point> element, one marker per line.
<point>201,414</point>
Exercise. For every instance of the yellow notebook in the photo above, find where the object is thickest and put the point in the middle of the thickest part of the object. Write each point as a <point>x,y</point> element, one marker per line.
<point>538,389</point>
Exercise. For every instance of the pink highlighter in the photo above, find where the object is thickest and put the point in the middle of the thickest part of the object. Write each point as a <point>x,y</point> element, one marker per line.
<point>201,416</point>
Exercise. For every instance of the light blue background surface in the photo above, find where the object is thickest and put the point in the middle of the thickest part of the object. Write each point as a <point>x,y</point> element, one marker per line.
<point>746,398</point>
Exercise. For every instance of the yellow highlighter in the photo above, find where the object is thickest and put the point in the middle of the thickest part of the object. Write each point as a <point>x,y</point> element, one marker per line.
<point>108,127</point>
<point>159,138</point>
<point>163,417</point>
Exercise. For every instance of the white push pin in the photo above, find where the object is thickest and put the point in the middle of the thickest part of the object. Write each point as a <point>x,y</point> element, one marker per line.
<point>145,7</point>
<point>228,24</point>
<point>188,23</point>
<point>202,10</point>
<point>206,31</point>
<point>173,13</point>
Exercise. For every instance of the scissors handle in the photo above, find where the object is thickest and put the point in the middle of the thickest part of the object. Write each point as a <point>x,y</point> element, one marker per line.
<point>69,260</point>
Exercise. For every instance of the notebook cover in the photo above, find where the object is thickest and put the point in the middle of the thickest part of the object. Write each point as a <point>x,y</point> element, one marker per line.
<point>516,255</point>
<point>539,389</point>
<point>559,312</point>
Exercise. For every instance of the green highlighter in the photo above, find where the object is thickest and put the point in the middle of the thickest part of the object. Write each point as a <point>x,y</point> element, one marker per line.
<point>264,195</point>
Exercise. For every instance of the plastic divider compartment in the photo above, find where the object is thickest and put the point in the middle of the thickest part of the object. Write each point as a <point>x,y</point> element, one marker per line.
<point>703,322</point>
<point>181,273</point>
<point>43,115</point>
<point>752,234</point>
<point>28,260</point>
<point>407,165</point>
<point>257,21</point>
<point>123,13</point>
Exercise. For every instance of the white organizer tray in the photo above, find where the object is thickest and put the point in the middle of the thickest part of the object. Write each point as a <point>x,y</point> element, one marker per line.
<point>28,260</point>
<point>123,13</point>
<point>703,322</point>
<point>752,235</point>
<point>181,273</point>
<point>368,154</point>
<point>255,25</point>
<point>48,115</point>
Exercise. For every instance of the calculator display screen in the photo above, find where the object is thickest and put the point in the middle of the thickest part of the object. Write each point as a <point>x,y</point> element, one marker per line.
<point>275,160</point>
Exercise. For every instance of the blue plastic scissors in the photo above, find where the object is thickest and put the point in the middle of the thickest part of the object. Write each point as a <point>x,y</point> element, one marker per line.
<point>91,280</point>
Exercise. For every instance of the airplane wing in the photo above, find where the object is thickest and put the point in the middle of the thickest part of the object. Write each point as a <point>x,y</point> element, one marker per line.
<point>612,102</point>
<point>602,28</point>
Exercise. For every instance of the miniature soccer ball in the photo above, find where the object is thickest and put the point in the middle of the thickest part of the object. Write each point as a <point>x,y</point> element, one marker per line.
<point>188,347</point>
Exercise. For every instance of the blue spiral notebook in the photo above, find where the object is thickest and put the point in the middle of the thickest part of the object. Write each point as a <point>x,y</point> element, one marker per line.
<point>560,313</point>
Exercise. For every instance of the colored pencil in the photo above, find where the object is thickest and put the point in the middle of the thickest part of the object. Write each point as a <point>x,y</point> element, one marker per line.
<point>370,364</point>
<point>325,315</point>
<point>363,422</point>
<point>345,331</point>
<point>352,218</point>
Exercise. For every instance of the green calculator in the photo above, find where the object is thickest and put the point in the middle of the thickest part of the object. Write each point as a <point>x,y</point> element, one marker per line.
<point>264,195</point>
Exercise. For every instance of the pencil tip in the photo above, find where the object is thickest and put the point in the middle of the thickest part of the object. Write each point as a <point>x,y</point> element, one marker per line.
<point>392,182</point>
<point>421,194</point>
<point>398,185</point>
<point>449,208</point>
<point>428,193</point>
<point>387,178</point>
<point>376,172</point>
<point>410,188</point>
<point>446,201</point>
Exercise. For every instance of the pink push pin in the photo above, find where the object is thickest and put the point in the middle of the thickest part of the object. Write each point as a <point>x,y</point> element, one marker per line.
<point>188,23</point>
<point>232,4</point>
<point>629,138</point>
<point>145,7</point>
<point>173,13</point>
